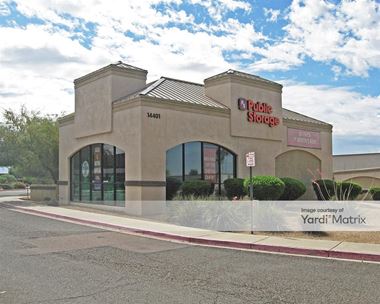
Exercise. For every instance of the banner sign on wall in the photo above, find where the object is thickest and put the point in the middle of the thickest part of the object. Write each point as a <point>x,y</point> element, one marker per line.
<point>97,174</point>
<point>85,169</point>
<point>210,163</point>
<point>304,138</point>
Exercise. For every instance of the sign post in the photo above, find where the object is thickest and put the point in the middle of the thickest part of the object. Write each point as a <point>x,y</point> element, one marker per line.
<point>250,161</point>
<point>250,184</point>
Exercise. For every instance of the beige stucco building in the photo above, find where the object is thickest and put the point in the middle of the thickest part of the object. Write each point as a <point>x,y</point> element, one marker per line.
<point>127,137</point>
<point>363,169</point>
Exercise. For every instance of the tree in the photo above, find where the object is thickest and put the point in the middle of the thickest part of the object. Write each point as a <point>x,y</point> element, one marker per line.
<point>29,143</point>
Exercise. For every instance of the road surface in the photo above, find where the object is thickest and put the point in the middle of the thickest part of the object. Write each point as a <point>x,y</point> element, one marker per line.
<point>18,192</point>
<point>48,261</point>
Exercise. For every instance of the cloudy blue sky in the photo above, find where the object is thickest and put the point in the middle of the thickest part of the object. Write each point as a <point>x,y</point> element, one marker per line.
<point>325,53</point>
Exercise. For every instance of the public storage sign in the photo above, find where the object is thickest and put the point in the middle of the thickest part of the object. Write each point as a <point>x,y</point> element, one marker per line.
<point>304,138</point>
<point>258,112</point>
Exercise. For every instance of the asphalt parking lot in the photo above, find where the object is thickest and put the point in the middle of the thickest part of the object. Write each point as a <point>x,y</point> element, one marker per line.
<point>48,261</point>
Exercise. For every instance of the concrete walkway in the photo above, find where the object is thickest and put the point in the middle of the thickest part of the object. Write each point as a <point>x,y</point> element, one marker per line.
<point>308,247</point>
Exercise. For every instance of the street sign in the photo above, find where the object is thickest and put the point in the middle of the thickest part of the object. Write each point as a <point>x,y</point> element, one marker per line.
<point>250,160</point>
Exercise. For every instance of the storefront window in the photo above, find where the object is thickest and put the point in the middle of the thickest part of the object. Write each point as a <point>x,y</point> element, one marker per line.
<point>75,177</point>
<point>193,161</point>
<point>227,165</point>
<point>85,174</point>
<point>119,177</point>
<point>108,173</point>
<point>200,160</point>
<point>96,165</point>
<point>98,175</point>
<point>174,163</point>
<point>211,163</point>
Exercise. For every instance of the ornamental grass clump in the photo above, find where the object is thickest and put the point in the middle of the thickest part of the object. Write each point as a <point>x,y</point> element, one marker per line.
<point>324,189</point>
<point>347,191</point>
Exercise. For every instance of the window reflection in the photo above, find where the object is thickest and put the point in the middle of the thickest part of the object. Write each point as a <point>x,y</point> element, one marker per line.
<point>75,177</point>
<point>211,163</point>
<point>85,174</point>
<point>120,177</point>
<point>98,175</point>
<point>193,160</point>
<point>174,162</point>
<point>200,160</point>
<point>226,165</point>
<point>96,165</point>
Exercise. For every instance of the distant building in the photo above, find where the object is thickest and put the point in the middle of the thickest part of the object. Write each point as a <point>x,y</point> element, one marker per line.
<point>4,170</point>
<point>363,169</point>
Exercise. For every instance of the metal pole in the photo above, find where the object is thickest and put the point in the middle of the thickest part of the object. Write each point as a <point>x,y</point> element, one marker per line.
<point>251,196</point>
<point>250,184</point>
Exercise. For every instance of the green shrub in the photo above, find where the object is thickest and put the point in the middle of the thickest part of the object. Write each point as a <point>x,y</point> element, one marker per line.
<point>29,180</point>
<point>294,189</point>
<point>265,188</point>
<point>196,188</point>
<point>37,180</point>
<point>234,187</point>
<point>375,192</point>
<point>19,185</point>
<point>172,186</point>
<point>324,189</point>
<point>347,190</point>
<point>6,186</point>
<point>7,179</point>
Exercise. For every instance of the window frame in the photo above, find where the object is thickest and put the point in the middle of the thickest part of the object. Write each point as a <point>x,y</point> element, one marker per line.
<point>219,148</point>
<point>91,169</point>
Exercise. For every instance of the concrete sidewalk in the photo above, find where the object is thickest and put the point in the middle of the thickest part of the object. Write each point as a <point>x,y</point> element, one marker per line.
<point>318,248</point>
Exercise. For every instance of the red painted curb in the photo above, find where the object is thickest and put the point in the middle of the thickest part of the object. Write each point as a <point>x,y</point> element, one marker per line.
<point>292,250</point>
<point>354,256</point>
<point>218,243</point>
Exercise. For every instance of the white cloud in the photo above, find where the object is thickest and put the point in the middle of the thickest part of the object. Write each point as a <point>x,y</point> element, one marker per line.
<point>348,33</point>
<point>279,57</point>
<point>50,56</point>
<point>351,113</point>
<point>337,70</point>
<point>4,9</point>
<point>233,5</point>
<point>271,14</point>
<point>218,8</point>
<point>37,67</point>
<point>39,62</point>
